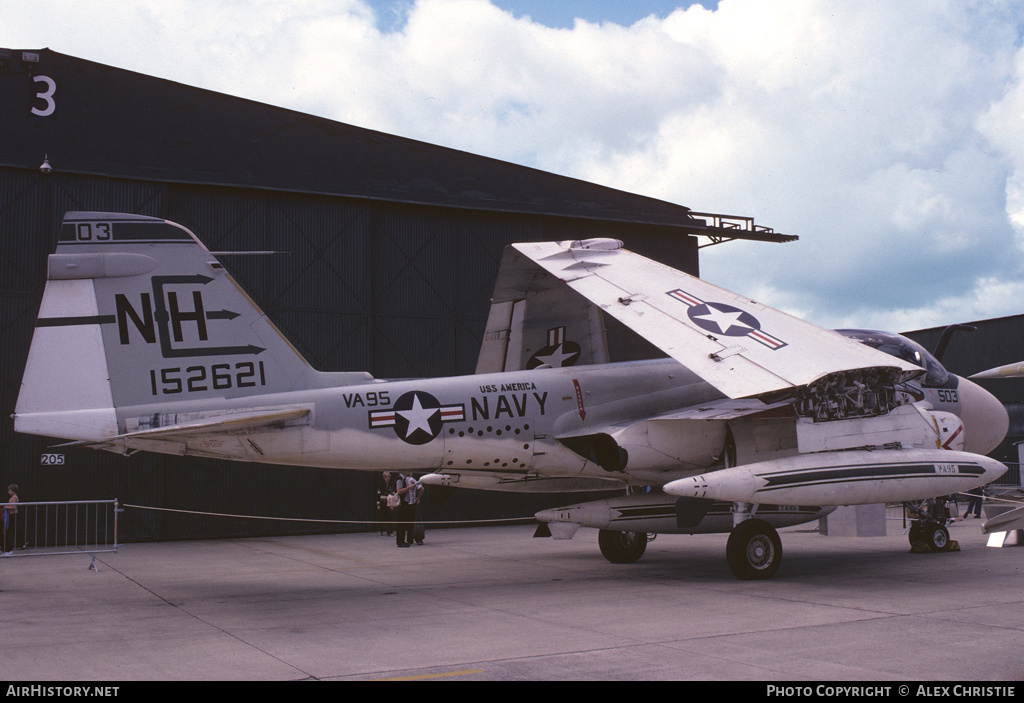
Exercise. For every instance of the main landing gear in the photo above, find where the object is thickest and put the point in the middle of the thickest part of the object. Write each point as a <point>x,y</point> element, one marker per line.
<point>754,550</point>
<point>622,547</point>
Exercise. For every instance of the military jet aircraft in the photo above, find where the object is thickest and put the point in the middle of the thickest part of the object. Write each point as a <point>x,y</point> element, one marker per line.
<point>755,420</point>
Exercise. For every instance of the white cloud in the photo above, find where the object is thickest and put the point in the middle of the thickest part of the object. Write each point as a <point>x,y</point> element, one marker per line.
<point>887,135</point>
<point>1003,126</point>
<point>853,128</point>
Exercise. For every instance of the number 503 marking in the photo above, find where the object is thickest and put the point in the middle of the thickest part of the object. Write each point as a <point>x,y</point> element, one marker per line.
<point>949,396</point>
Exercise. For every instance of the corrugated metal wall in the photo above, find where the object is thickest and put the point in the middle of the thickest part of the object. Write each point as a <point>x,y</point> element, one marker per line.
<point>359,285</point>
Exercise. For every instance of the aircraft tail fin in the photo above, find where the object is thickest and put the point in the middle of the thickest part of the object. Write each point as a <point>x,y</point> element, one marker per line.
<point>537,321</point>
<point>137,312</point>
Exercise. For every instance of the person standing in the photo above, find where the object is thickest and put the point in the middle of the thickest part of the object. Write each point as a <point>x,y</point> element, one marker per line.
<point>416,532</point>
<point>10,519</point>
<point>405,485</point>
<point>974,504</point>
<point>385,514</point>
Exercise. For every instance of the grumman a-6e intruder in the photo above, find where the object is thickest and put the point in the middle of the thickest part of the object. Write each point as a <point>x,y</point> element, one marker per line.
<point>757,419</point>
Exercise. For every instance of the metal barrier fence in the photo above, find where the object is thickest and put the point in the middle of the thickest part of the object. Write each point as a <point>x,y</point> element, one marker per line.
<point>1011,477</point>
<point>69,527</point>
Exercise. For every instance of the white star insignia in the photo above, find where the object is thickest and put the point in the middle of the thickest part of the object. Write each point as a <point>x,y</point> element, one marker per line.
<point>418,417</point>
<point>555,358</point>
<point>724,319</point>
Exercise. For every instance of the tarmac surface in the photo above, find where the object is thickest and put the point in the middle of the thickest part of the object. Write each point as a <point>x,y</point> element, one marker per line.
<point>493,603</point>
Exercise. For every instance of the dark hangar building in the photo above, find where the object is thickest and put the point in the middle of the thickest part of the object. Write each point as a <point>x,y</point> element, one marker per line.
<point>979,345</point>
<point>386,254</point>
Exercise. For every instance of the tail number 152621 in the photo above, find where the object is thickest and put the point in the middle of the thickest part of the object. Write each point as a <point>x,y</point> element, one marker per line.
<point>214,377</point>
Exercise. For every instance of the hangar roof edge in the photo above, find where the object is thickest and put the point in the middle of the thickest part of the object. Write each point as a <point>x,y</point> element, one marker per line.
<point>91,118</point>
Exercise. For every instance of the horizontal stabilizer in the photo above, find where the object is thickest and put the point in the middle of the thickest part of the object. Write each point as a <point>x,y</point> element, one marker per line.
<point>232,422</point>
<point>235,422</point>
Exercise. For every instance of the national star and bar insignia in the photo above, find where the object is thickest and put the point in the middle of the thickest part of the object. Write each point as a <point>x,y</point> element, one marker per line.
<point>416,417</point>
<point>725,320</point>
<point>558,353</point>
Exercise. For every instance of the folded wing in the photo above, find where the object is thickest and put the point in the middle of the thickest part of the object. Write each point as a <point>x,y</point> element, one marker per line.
<point>741,346</point>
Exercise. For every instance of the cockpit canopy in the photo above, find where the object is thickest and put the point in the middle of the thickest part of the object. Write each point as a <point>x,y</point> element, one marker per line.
<point>903,348</point>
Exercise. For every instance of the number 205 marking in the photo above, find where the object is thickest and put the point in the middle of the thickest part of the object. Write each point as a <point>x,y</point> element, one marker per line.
<point>217,377</point>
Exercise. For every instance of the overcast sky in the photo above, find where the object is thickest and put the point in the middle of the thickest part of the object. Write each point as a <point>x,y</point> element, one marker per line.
<point>889,136</point>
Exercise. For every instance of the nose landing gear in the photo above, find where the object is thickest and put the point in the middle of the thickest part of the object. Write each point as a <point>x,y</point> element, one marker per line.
<point>928,529</point>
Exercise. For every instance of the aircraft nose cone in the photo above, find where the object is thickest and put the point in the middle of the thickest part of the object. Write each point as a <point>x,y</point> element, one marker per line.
<point>985,419</point>
<point>993,469</point>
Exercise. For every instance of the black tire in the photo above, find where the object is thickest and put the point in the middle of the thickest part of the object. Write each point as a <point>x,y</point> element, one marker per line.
<point>754,550</point>
<point>622,547</point>
<point>917,532</point>
<point>937,537</point>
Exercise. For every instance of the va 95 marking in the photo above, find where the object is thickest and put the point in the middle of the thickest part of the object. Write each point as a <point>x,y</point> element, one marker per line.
<point>200,378</point>
<point>373,399</point>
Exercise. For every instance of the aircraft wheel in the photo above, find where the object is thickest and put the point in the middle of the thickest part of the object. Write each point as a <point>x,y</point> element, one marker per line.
<point>754,550</point>
<point>937,537</point>
<point>622,547</point>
